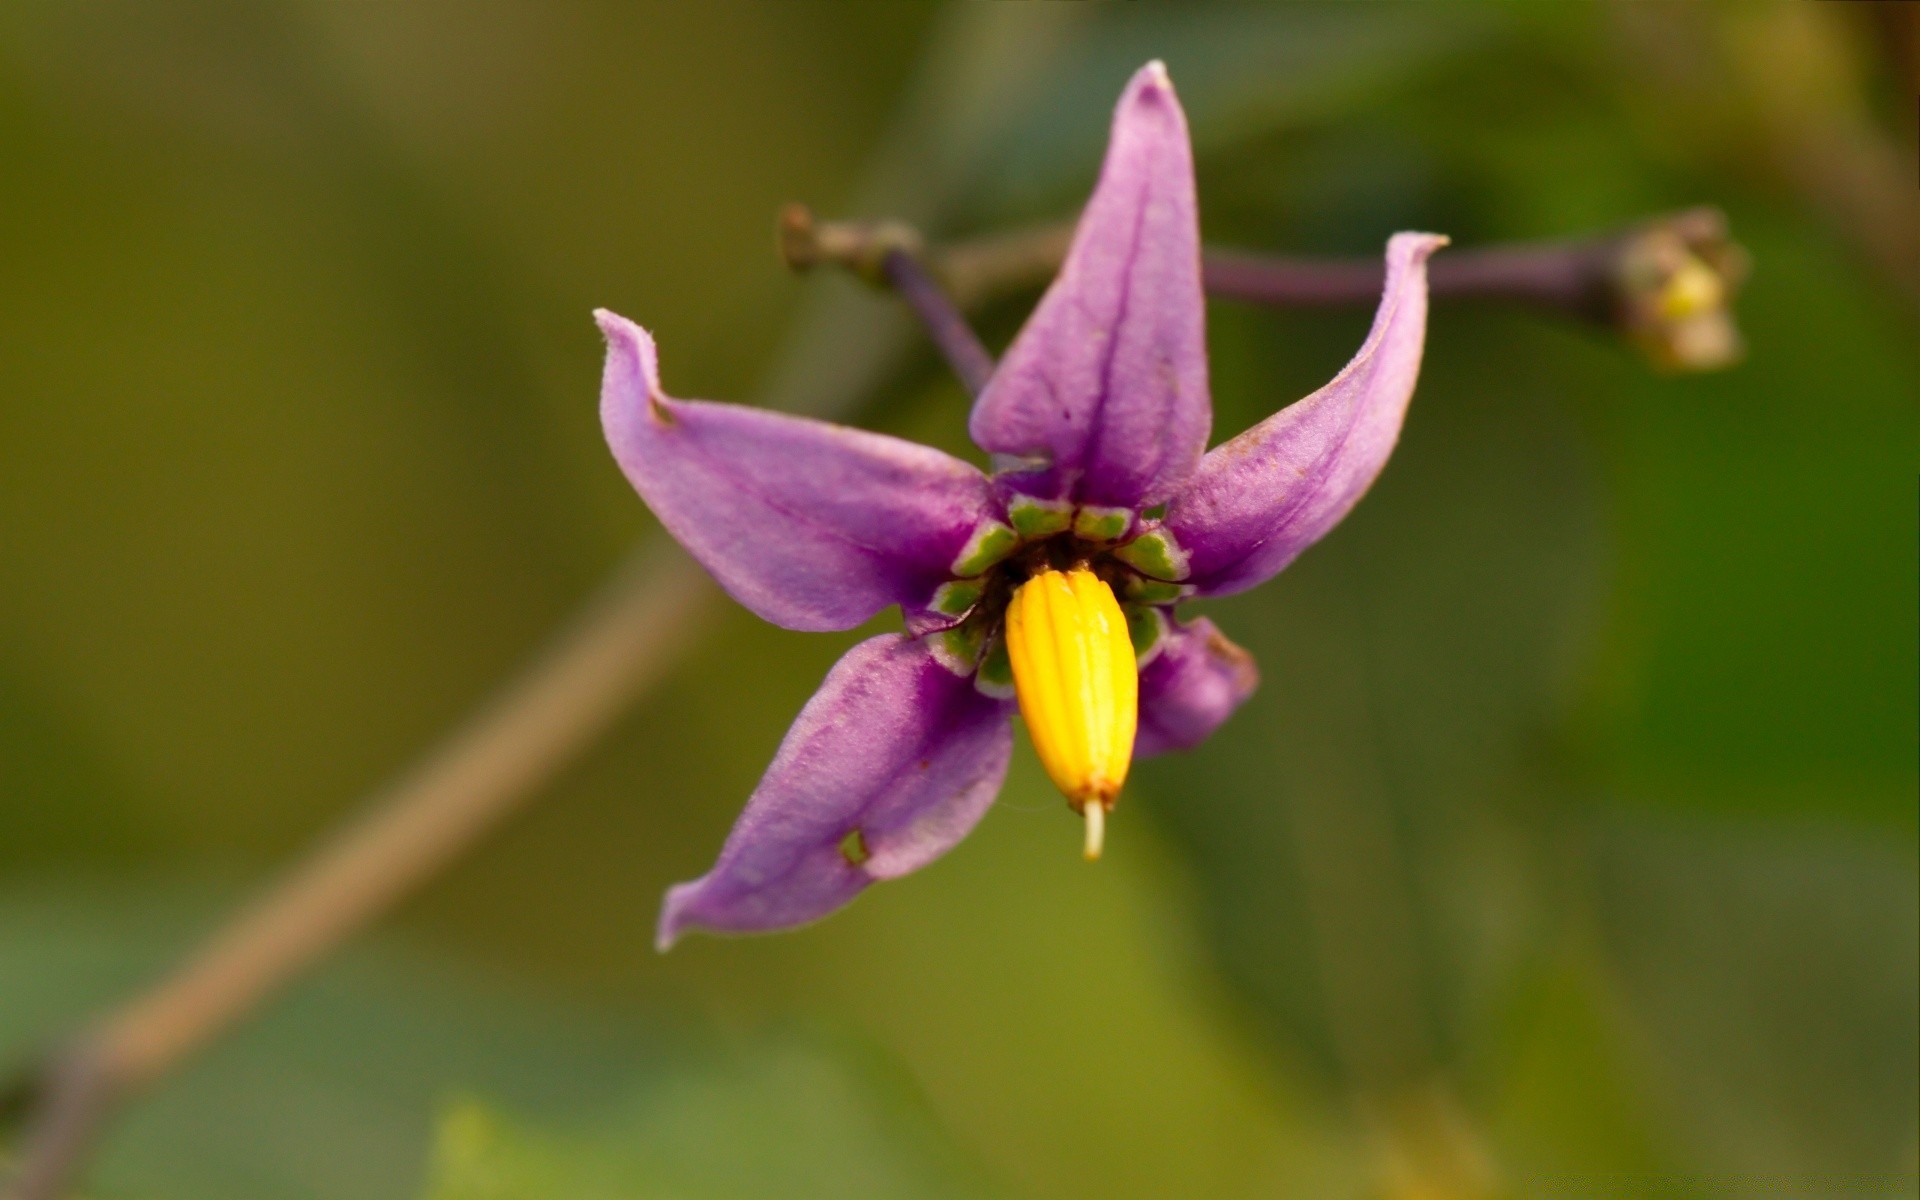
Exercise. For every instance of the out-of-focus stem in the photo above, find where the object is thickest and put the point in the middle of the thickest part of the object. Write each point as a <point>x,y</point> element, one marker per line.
<point>889,254</point>
<point>586,677</point>
<point>1559,275</point>
<point>1665,283</point>
<point>943,321</point>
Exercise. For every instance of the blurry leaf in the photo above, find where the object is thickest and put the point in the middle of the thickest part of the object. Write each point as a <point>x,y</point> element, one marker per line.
<point>1569,1105</point>
<point>790,1122</point>
<point>59,789</point>
<point>1365,832</point>
<point>331,1093</point>
<point>1774,971</point>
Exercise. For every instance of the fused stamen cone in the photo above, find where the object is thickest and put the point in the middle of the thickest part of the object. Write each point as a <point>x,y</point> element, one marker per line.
<point>1077,681</point>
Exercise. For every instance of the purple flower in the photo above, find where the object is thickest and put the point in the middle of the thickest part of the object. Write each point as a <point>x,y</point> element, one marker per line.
<point>1049,585</point>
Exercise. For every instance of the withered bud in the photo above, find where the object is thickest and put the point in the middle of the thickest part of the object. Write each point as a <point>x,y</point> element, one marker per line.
<point>859,246</point>
<point>1672,281</point>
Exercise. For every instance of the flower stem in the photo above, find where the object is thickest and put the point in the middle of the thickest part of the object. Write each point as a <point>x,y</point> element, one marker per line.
<point>1664,283</point>
<point>1565,276</point>
<point>944,322</point>
<point>888,254</point>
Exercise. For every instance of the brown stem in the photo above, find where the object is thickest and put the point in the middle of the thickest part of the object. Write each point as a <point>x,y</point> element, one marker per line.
<point>73,1098</point>
<point>625,639</point>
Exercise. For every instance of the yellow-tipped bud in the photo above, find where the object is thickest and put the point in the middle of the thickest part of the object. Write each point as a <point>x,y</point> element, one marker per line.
<point>1078,685</point>
<point>1693,288</point>
<point>1673,282</point>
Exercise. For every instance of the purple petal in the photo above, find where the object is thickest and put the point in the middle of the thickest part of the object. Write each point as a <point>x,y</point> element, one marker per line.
<point>1259,500</point>
<point>810,525</point>
<point>1193,684</point>
<point>892,762</point>
<point>1106,386</point>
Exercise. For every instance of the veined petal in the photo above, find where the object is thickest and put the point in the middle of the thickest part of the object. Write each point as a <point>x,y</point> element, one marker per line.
<point>1259,500</point>
<point>892,762</point>
<point>811,525</point>
<point>1192,685</point>
<point>1106,386</point>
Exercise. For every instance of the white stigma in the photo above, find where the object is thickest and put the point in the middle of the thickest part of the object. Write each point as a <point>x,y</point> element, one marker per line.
<point>1096,815</point>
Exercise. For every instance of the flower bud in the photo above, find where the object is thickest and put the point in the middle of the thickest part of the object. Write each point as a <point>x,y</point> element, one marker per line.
<point>1673,282</point>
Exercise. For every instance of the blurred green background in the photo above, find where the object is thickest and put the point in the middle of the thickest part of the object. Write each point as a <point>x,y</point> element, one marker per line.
<point>1569,847</point>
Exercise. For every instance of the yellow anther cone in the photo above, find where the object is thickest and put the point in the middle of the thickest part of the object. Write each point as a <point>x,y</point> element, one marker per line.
<point>1078,685</point>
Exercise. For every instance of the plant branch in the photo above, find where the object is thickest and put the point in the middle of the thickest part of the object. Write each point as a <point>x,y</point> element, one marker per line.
<point>889,255</point>
<point>1566,276</point>
<point>625,638</point>
<point>944,323</point>
<point>1665,283</point>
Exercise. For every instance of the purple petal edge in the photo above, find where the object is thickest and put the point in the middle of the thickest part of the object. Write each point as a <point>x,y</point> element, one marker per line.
<point>811,525</point>
<point>1106,385</point>
<point>1190,687</point>
<point>893,745</point>
<point>1260,499</point>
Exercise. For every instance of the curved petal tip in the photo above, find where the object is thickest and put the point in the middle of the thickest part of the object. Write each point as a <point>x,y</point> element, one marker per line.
<point>1261,498</point>
<point>1149,78</point>
<point>673,917</point>
<point>628,336</point>
<point>1407,248</point>
<point>630,348</point>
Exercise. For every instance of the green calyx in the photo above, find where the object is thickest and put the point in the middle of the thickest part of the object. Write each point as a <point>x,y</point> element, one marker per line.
<point>995,677</point>
<point>1096,524</point>
<point>990,543</point>
<point>955,598</point>
<point>1146,625</point>
<point>1155,554</point>
<point>1141,590</point>
<point>1035,519</point>
<point>959,648</point>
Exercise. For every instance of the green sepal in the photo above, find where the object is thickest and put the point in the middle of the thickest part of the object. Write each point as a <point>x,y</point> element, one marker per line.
<point>1035,519</point>
<point>955,598</point>
<point>1155,554</point>
<point>958,648</point>
<point>990,543</point>
<point>1094,523</point>
<point>1146,625</point>
<point>1141,590</point>
<point>995,677</point>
